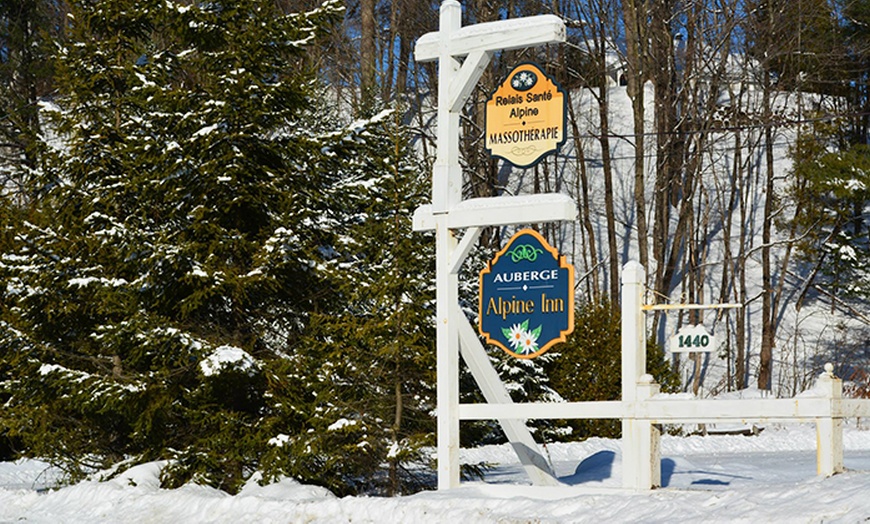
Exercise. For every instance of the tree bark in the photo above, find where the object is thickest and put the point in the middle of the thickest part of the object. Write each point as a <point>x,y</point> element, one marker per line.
<point>635,35</point>
<point>368,53</point>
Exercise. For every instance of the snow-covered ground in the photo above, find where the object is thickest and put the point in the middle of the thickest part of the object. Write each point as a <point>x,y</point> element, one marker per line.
<point>770,477</point>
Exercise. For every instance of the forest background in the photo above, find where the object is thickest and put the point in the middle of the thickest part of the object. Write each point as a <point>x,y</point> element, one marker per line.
<point>206,239</point>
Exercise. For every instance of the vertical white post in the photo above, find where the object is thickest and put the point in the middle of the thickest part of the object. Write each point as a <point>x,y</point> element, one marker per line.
<point>641,456</point>
<point>829,430</point>
<point>456,80</point>
<point>645,462</point>
<point>633,329</point>
<point>446,193</point>
<point>447,354</point>
<point>447,172</point>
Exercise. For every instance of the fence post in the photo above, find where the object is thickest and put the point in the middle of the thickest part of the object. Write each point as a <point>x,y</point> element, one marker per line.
<point>648,471</point>
<point>641,456</point>
<point>633,329</point>
<point>829,430</point>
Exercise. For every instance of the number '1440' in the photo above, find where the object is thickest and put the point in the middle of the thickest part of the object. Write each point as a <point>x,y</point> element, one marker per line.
<point>693,341</point>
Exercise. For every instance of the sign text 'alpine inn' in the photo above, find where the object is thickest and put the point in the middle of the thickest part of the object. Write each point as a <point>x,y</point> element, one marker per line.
<point>525,117</point>
<point>526,296</point>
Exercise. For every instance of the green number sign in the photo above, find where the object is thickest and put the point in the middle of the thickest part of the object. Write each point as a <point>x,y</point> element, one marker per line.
<point>692,339</point>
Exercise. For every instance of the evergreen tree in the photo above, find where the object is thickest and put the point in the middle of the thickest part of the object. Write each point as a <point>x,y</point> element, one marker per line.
<point>831,193</point>
<point>527,381</point>
<point>168,262</point>
<point>370,356</point>
<point>28,30</point>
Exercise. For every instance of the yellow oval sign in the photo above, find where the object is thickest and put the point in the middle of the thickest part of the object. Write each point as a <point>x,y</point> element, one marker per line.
<point>525,117</point>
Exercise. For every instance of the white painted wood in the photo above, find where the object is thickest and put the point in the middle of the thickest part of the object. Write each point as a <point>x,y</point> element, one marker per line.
<point>423,218</point>
<point>542,410</point>
<point>641,447</point>
<point>468,240</point>
<point>641,454</point>
<point>516,33</point>
<point>829,450</point>
<point>447,355</point>
<point>633,329</point>
<point>456,80</point>
<point>446,193</point>
<point>665,411</point>
<point>464,83</point>
<point>650,471</point>
<point>500,211</point>
<point>475,357</point>
<point>850,408</point>
<point>446,171</point>
<point>829,430</point>
<point>688,410</point>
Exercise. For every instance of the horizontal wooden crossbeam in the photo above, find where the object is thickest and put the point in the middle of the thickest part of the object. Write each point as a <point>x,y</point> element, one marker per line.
<point>500,211</point>
<point>516,33</point>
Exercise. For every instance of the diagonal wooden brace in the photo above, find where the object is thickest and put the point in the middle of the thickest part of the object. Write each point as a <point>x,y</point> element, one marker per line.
<point>494,391</point>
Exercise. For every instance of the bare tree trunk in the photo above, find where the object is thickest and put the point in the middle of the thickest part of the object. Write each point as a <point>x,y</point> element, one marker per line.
<point>728,283</point>
<point>695,317</point>
<point>588,243</point>
<point>699,253</point>
<point>666,244</point>
<point>394,33</point>
<point>635,37</point>
<point>395,483</point>
<point>765,373</point>
<point>609,209</point>
<point>740,371</point>
<point>404,48</point>
<point>368,53</point>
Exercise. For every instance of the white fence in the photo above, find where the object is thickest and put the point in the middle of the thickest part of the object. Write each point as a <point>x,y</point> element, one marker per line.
<point>643,410</point>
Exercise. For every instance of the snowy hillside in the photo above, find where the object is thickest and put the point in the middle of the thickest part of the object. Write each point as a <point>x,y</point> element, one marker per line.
<point>820,329</point>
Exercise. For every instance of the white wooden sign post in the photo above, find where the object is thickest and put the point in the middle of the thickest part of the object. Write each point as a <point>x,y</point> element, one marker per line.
<point>462,54</point>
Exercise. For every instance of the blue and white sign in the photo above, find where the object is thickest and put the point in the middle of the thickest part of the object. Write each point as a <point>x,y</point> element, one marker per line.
<point>526,297</point>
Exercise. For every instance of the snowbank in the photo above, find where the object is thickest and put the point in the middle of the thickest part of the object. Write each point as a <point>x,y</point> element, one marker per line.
<point>768,478</point>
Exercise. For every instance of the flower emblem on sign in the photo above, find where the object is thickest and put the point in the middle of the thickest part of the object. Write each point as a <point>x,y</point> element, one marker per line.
<point>523,341</point>
<point>524,80</point>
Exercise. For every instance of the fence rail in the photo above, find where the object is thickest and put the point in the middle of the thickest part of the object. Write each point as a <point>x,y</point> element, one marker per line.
<point>666,411</point>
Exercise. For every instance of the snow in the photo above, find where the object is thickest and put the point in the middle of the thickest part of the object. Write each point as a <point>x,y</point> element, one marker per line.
<point>86,281</point>
<point>224,357</point>
<point>855,185</point>
<point>540,199</point>
<point>45,369</point>
<point>765,478</point>
<point>205,130</point>
<point>279,440</point>
<point>198,272</point>
<point>340,423</point>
